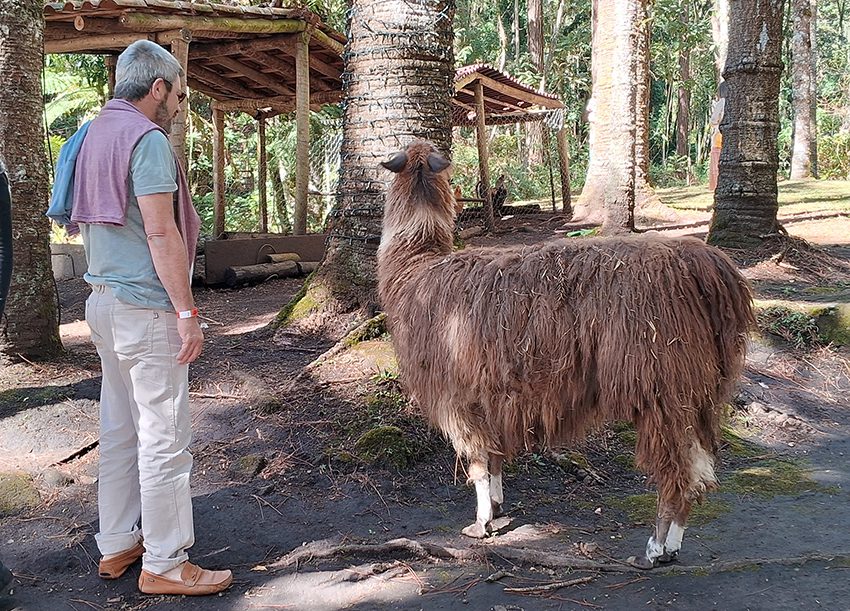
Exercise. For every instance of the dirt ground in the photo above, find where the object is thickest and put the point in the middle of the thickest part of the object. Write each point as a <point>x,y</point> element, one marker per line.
<point>289,494</point>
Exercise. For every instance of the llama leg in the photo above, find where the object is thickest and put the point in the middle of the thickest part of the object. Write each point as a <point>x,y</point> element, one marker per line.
<point>655,547</point>
<point>497,497</point>
<point>479,476</point>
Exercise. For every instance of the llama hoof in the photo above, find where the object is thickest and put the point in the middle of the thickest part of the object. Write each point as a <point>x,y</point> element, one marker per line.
<point>641,562</point>
<point>667,558</point>
<point>476,531</point>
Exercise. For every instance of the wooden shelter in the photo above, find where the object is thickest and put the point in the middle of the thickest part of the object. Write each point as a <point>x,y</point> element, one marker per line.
<point>260,60</point>
<point>485,95</point>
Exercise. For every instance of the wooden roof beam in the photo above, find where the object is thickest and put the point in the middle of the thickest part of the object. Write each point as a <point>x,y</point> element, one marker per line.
<point>282,104</point>
<point>514,92</point>
<point>241,47</point>
<point>98,43</point>
<point>151,22</point>
<point>211,78</point>
<point>286,69</point>
<point>255,75</point>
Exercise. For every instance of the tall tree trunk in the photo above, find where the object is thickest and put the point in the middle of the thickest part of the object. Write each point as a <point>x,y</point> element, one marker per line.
<point>720,34</point>
<point>30,327</point>
<point>534,130</point>
<point>515,29</point>
<point>645,197</point>
<point>608,195</point>
<point>745,201</point>
<point>813,86</point>
<point>802,87</point>
<point>683,116</point>
<point>399,69</point>
<point>503,43</point>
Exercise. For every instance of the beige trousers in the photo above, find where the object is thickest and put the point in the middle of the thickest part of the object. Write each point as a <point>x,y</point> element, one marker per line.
<point>145,431</point>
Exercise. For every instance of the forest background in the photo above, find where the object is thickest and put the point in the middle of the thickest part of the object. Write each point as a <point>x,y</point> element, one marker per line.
<point>684,81</point>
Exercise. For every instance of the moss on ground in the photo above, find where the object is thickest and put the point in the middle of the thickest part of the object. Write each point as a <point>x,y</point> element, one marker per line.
<point>737,444</point>
<point>771,478</point>
<point>375,328</point>
<point>386,446</point>
<point>17,493</point>
<point>641,508</point>
<point>301,305</point>
<point>46,395</point>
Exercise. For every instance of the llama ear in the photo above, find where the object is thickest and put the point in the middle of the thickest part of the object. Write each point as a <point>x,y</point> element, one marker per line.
<point>437,162</point>
<point>398,161</point>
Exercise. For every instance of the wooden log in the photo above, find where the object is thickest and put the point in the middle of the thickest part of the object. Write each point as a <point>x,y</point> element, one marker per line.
<point>281,257</point>
<point>101,43</point>
<point>264,80</point>
<point>218,172</point>
<point>470,232</point>
<point>111,61</point>
<point>243,274</point>
<point>302,133</point>
<point>147,22</point>
<point>483,156</point>
<point>281,103</point>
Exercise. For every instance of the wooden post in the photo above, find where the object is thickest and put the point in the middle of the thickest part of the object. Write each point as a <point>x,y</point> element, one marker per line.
<point>218,171</point>
<point>262,174</point>
<point>564,166</point>
<point>483,157</point>
<point>302,132</point>
<point>180,50</point>
<point>111,61</point>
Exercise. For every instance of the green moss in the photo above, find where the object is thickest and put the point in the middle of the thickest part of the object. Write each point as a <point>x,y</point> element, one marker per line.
<point>46,395</point>
<point>17,493</point>
<point>797,327</point>
<point>641,508</point>
<point>268,404</point>
<point>384,445</point>
<point>374,328</point>
<point>627,461</point>
<point>738,445</point>
<point>298,307</point>
<point>771,478</point>
<point>625,432</point>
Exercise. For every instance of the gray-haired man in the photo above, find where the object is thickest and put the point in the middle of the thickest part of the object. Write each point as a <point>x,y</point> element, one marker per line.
<point>132,205</point>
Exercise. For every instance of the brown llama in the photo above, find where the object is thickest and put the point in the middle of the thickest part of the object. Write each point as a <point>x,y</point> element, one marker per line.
<point>505,348</point>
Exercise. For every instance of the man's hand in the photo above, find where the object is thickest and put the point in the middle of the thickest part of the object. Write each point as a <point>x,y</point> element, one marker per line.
<point>193,340</point>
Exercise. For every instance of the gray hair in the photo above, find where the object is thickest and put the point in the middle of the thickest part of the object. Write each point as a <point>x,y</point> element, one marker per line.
<point>139,66</point>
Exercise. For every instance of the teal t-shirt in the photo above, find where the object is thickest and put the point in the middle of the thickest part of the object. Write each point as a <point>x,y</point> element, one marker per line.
<point>119,257</point>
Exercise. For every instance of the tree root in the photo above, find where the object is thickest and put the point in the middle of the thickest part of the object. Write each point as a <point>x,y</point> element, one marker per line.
<point>404,547</point>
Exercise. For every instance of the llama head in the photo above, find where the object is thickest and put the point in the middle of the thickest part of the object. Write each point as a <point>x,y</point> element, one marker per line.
<point>419,204</point>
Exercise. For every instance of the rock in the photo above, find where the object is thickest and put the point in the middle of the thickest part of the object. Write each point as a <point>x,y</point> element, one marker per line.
<point>757,408</point>
<point>17,493</point>
<point>55,478</point>
<point>249,465</point>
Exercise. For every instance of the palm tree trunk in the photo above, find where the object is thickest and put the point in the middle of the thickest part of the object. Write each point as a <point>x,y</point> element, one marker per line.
<point>608,195</point>
<point>745,201</point>
<point>30,327</point>
<point>399,69</point>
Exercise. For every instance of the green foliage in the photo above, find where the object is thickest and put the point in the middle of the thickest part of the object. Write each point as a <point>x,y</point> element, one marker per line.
<point>797,328</point>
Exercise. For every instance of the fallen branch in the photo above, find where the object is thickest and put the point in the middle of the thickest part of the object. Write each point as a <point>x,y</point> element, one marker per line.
<point>545,558</point>
<point>549,587</point>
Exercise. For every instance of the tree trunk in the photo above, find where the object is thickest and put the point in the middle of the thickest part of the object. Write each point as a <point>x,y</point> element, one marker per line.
<point>534,130</point>
<point>30,327</point>
<point>683,115</point>
<point>720,34</point>
<point>745,201</point>
<point>399,69</point>
<point>608,195</point>
<point>645,196</point>
<point>802,86</point>
<point>813,86</point>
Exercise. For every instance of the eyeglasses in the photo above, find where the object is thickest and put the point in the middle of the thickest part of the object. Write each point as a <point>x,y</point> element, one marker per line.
<point>180,96</point>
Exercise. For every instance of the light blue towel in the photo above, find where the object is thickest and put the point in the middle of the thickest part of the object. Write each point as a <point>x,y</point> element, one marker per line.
<point>62,198</point>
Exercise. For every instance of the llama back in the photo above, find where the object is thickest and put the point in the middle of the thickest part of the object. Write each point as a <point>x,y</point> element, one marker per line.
<point>529,345</point>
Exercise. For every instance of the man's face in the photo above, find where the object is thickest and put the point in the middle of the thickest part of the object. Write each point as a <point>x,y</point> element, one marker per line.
<point>169,105</point>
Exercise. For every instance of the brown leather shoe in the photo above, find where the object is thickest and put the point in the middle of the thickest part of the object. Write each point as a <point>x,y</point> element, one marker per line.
<point>113,568</point>
<point>194,581</point>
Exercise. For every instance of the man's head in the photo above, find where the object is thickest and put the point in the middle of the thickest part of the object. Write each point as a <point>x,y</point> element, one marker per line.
<point>150,77</point>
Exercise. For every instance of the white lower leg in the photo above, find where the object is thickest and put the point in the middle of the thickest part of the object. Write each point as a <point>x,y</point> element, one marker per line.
<point>674,538</point>
<point>496,493</point>
<point>482,495</point>
<point>654,549</point>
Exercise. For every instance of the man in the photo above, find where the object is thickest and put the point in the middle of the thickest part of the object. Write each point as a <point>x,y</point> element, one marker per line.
<point>134,211</point>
